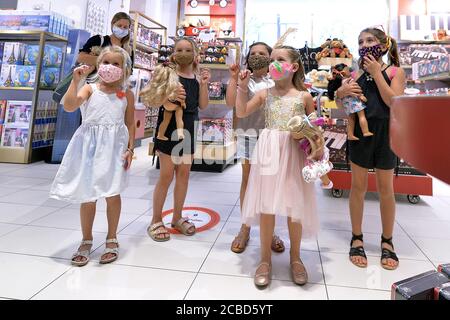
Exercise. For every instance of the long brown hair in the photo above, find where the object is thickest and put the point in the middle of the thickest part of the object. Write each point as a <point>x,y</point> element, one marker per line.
<point>388,41</point>
<point>125,41</point>
<point>299,76</point>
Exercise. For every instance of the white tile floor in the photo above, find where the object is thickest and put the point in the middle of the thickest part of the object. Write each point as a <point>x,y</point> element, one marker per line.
<point>38,236</point>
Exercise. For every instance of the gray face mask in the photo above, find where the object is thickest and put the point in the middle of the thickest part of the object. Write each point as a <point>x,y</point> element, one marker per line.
<point>258,62</point>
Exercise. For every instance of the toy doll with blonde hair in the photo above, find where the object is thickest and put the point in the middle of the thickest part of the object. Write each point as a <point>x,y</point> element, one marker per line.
<point>162,88</point>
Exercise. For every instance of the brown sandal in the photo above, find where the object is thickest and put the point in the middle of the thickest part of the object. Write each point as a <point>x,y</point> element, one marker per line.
<point>277,244</point>
<point>183,225</point>
<point>241,240</point>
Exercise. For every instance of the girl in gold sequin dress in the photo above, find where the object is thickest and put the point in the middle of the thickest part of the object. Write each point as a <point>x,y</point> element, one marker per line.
<point>276,186</point>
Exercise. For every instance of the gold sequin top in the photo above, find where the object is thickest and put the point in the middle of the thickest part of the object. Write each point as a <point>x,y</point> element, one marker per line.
<point>279,110</point>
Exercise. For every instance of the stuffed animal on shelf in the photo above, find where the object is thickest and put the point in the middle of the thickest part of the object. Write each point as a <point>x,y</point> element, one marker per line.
<point>334,49</point>
<point>308,130</point>
<point>163,87</point>
<point>351,104</point>
<point>319,78</point>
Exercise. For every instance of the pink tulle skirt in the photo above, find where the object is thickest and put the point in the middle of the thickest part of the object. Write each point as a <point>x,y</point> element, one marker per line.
<point>276,184</point>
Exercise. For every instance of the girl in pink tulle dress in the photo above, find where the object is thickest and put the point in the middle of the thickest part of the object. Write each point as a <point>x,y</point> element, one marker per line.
<point>276,186</point>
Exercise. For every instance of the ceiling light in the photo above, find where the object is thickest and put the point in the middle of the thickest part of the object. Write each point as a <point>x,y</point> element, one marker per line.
<point>194,3</point>
<point>223,3</point>
<point>212,2</point>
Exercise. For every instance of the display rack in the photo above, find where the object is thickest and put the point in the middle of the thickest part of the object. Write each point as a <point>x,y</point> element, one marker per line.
<point>145,43</point>
<point>216,145</point>
<point>27,81</point>
<point>407,180</point>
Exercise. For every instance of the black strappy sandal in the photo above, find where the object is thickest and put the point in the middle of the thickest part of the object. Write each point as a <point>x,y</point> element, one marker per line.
<point>357,251</point>
<point>388,254</point>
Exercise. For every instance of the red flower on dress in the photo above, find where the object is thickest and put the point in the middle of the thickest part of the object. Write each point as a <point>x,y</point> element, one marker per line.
<point>120,94</point>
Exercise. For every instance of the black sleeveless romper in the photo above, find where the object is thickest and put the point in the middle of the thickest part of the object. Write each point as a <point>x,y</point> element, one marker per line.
<point>375,151</point>
<point>174,146</point>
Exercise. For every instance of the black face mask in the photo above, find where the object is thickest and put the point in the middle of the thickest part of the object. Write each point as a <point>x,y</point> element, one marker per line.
<point>258,62</point>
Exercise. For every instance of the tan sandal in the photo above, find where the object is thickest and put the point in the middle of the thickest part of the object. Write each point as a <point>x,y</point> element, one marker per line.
<point>240,242</point>
<point>156,229</point>
<point>83,253</point>
<point>114,251</point>
<point>183,225</point>
<point>277,244</point>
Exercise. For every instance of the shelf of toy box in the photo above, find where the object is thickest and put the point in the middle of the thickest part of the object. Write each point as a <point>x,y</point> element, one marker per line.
<point>214,66</point>
<point>234,40</point>
<point>148,132</point>
<point>219,102</point>
<point>26,88</point>
<point>213,157</point>
<point>145,47</point>
<point>334,61</point>
<point>28,35</point>
<point>445,76</point>
<point>138,66</point>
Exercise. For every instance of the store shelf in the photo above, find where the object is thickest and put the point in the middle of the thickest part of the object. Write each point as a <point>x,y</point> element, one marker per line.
<point>148,133</point>
<point>422,42</point>
<point>29,35</point>
<point>236,40</point>
<point>214,66</point>
<point>142,67</point>
<point>217,102</point>
<point>17,88</point>
<point>145,47</point>
<point>445,76</point>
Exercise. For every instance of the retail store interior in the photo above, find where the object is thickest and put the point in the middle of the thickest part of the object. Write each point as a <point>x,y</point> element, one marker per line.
<point>40,43</point>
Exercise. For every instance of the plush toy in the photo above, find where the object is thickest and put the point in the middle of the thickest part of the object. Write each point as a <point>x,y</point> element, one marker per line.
<point>307,129</point>
<point>319,78</point>
<point>351,104</point>
<point>163,86</point>
<point>334,49</point>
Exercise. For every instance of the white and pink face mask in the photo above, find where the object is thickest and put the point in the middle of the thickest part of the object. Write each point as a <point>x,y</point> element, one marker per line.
<point>109,73</point>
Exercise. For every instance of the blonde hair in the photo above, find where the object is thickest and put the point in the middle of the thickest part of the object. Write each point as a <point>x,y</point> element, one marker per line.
<point>163,85</point>
<point>126,66</point>
<point>125,41</point>
<point>194,49</point>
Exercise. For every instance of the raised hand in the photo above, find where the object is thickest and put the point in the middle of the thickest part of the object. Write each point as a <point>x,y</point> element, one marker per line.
<point>234,71</point>
<point>82,72</point>
<point>244,78</point>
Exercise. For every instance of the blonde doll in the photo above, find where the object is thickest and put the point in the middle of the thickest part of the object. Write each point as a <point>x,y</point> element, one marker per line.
<point>164,87</point>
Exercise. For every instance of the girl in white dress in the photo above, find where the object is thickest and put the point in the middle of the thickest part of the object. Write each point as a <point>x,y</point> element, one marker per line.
<point>95,163</point>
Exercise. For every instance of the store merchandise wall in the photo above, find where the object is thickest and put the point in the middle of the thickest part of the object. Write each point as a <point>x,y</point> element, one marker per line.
<point>163,11</point>
<point>76,10</point>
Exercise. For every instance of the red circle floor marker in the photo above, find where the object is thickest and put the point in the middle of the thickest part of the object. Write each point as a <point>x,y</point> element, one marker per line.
<point>203,218</point>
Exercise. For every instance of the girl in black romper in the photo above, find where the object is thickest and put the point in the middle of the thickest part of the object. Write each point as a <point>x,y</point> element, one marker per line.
<point>175,156</point>
<point>379,83</point>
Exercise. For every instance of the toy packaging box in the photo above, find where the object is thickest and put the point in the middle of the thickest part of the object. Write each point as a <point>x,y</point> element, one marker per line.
<point>445,269</point>
<point>52,56</point>
<point>14,137</point>
<point>335,135</point>
<point>17,76</point>
<point>216,131</point>
<point>419,287</point>
<point>2,45</point>
<point>50,77</point>
<point>13,53</point>
<point>3,104</point>
<point>442,292</point>
<point>18,113</point>
<point>216,90</point>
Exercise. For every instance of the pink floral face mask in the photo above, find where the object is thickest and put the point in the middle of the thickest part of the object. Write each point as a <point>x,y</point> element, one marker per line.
<point>109,73</point>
